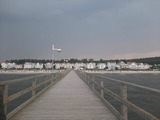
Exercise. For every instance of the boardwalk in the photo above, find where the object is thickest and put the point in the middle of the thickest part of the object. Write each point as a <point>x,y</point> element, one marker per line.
<point>69,99</point>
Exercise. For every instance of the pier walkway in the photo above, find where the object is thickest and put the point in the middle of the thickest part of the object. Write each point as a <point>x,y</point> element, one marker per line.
<point>68,99</point>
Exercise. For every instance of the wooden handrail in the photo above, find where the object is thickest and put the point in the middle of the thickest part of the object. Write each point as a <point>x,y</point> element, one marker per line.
<point>147,89</point>
<point>122,98</point>
<point>5,98</point>
<point>21,79</point>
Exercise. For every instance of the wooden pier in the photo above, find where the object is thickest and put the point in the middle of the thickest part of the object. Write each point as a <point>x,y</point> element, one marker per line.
<point>68,99</point>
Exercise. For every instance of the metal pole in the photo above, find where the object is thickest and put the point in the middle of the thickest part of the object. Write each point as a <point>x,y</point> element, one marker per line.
<point>52,60</point>
<point>52,57</point>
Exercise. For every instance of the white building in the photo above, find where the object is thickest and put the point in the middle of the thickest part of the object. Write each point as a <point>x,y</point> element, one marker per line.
<point>122,65</point>
<point>58,65</point>
<point>79,66</point>
<point>8,65</point>
<point>147,66</point>
<point>101,66</point>
<point>91,65</point>
<point>132,65</point>
<point>138,66</point>
<point>48,65</point>
<point>39,65</point>
<point>4,65</point>
<point>111,65</point>
<point>143,66</point>
<point>29,65</point>
<point>68,65</point>
<point>11,65</point>
<point>19,66</point>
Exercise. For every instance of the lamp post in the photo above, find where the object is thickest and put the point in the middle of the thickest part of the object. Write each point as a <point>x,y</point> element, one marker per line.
<point>54,49</point>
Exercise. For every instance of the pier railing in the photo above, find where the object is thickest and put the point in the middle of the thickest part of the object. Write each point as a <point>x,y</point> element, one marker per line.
<point>122,98</point>
<point>16,94</point>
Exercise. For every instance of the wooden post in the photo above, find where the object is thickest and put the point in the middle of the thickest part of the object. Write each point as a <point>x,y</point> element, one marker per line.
<point>52,79</point>
<point>88,79</point>
<point>55,77</point>
<point>92,82</point>
<point>123,94</point>
<point>102,91</point>
<point>46,80</point>
<point>33,87</point>
<point>3,106</point>
<point>85,77</point>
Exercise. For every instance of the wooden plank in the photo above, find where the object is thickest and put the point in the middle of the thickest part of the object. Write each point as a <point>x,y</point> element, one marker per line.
<point>69,99</point>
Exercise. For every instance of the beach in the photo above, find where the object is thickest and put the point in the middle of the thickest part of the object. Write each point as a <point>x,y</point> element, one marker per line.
<point>26,71</point>
<point>123,72</point>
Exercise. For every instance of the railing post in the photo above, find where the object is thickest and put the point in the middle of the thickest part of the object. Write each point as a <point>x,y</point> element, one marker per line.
<point>46,80</point>
<point>82,74</point>
<point>52,79</point>
<point>33,87</point>
<point>123,94</point>
<point>102,90</point>
<point>88,78</point>
<point>55,76</point>
<point>93,82</point>
<point>3,105</point>
<point>85,77</point>
<point>60,75</point>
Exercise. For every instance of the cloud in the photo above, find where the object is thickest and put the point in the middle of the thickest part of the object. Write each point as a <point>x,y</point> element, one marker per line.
<point>136,55</point>
<point>98,29</point>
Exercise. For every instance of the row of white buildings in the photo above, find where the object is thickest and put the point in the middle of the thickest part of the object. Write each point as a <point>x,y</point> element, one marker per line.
<point>120,65</point>
<point>91,65</point>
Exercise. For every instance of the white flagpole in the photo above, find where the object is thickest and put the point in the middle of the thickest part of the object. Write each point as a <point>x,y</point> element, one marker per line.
<point>53,47</point>
<point>52,56</point>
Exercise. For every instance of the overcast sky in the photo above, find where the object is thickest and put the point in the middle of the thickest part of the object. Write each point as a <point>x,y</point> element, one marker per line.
<point>106,29</point>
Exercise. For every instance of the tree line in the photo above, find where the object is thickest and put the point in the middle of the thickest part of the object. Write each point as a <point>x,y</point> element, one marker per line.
<point>150,60</point>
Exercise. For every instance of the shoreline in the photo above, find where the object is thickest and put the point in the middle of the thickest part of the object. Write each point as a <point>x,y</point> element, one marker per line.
<point>88,71</point>
<point>26,71</point>
<point>124,72</point>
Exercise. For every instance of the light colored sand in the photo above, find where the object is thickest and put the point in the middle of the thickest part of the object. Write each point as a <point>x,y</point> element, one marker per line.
<point>26,71</point>
<point>129,72</point>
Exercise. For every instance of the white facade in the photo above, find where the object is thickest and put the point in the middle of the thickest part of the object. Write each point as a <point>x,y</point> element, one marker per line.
<point>122,65</point>
<point>64,65</point>
<point>11,65</point>
<point>57,65</point>
<point>91,65</point>
<point>101,66</point>
<point>138,66</point>
<point>143,66</point>
<point>111,65</point>
<point>48,65</point>
<point>19,66</point>
<point>79,65</point>
<point>4,65</point>
<point>8,65</point>
<point>132,65</point>
<point>39,66</point>
<point>29,65</point>
<point>68,65</point>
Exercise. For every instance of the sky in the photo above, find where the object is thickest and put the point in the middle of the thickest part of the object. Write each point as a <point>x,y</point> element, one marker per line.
<point>107,29</point>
